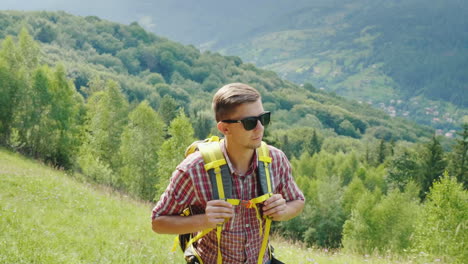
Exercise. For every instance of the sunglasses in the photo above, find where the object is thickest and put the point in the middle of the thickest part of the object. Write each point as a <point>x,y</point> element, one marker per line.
<point>250,122</point>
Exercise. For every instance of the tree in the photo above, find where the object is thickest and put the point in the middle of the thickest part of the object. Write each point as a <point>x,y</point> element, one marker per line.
<point>458,165</point>
<point>8,101</point>
<point>168,108</point>
<point>141,140</point>
<point>106,117</point>
<point>173,149</point>
<point>441,229</point>
<point>351,195</point>
<point>315,145</point>
<point>28,50</point>
<point>433,165</point>
<point>401,169</point>
<point>382,223</point>
<point>325,224</point>
<point>64,113</point>
<point>381,152</point>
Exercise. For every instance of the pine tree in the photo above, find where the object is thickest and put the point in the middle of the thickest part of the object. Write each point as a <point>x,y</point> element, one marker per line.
<point>459,157</point>
<point>381,152</point>
<point>315,143</point>
<point>401,169</point>
<point>168,108</point>
<point>433,165</point>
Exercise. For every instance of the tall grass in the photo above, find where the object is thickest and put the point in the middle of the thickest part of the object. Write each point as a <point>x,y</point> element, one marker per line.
<point>47,217</point>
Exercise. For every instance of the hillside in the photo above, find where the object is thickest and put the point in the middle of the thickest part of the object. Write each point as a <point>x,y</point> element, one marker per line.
<point>49,216</point>
<point>404,57</point>
<point>149,67</point>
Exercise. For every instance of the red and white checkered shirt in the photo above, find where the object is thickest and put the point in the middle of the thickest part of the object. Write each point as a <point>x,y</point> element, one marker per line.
<point>240,238</point>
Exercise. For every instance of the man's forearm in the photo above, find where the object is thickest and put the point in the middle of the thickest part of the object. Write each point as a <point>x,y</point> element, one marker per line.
<point>179,224</point>
<point>293,209</point>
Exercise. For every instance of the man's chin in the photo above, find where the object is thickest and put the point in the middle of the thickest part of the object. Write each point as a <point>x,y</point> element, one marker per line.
<point>255,145</point>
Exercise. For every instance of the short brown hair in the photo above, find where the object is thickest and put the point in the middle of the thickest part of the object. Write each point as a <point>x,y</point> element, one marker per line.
<point>232,95</point>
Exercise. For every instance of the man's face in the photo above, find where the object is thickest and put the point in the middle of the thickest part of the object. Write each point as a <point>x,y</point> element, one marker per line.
<point>237,134</point>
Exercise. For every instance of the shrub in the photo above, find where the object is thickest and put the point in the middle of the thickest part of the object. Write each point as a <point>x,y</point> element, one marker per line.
<point>442,227</point>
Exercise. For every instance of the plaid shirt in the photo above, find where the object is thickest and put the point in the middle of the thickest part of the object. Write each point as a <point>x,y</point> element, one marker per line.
<point>240,238</point>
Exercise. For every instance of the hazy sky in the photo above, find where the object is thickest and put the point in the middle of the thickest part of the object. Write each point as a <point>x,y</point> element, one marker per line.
<point>180,20</point>
<point>102,8</point>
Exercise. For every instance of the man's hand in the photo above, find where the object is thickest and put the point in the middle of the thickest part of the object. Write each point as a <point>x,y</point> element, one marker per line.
<point>217,211</point>
<point>275,207</point>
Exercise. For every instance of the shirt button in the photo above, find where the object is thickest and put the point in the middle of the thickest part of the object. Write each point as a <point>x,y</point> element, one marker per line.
<point>247,225</point>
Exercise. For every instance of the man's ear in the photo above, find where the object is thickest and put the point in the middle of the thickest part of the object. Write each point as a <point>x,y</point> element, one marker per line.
<point>223,128</point>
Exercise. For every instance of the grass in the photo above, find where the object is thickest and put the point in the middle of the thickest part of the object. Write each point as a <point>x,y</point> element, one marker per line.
<point>47,216</point>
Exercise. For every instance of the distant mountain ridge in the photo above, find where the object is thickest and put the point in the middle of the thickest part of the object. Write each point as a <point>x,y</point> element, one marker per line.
<point>376,52</point>
<point>149,67</point>
<point>373,51</point>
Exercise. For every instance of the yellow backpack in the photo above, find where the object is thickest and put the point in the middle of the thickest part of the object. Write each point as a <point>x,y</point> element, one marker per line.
<point>220,177</point>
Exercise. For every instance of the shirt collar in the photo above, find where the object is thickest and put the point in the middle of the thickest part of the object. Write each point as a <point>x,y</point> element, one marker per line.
<point>252,167</point>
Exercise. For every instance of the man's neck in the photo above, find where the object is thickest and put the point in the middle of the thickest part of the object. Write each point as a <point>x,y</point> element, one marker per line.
<point>240,157</point>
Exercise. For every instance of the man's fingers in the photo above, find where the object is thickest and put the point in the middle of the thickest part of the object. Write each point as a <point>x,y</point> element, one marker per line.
<point>274,201</point>
<point>217,211</point>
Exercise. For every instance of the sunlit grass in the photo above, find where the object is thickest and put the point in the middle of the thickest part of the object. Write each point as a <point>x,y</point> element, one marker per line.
<point>48,217</point>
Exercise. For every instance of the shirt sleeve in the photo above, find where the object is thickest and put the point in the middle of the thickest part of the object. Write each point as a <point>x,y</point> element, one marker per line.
<point>177,196</point>
<point>282,174</point>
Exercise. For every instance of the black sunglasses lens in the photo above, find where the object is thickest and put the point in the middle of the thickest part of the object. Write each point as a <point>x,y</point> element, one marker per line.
<point>265,119</point>
<point>249,123</point>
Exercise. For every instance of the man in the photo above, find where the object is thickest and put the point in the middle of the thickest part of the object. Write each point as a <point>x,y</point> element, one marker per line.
<point>241,119</point>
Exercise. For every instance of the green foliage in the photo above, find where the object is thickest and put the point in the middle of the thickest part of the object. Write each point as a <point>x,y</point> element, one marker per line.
<point>173,149</point>
<point>402,168</point>
<point>168,109</point>
<point>458,159</point>
<point>106,117</point>
<point>8,101</point>
<point>382,224</point>
<point>141,141</point>
<point>441,229</point>
<point>326,217</point>
<point>433,165</point>
<point>352,195</point>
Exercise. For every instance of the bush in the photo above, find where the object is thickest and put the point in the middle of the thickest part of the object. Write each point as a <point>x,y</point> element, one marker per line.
<point>442,227</point>
<point>382,225</point>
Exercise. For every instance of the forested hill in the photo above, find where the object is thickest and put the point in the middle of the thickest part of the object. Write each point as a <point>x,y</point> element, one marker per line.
<point>153,68</point>
<point>407,57</point>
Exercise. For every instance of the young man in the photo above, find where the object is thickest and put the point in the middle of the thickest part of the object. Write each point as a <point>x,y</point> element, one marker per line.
<point>241,119</point>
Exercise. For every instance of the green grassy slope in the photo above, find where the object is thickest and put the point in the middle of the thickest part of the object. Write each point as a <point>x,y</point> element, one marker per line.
<point>47,216</point>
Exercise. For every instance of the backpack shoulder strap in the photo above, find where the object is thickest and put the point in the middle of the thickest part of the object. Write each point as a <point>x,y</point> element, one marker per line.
<point>217,169</point>
<point>264,161</point>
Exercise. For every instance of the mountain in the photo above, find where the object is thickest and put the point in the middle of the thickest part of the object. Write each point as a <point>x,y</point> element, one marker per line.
<point>149,67</point>
<point>406,57</point>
